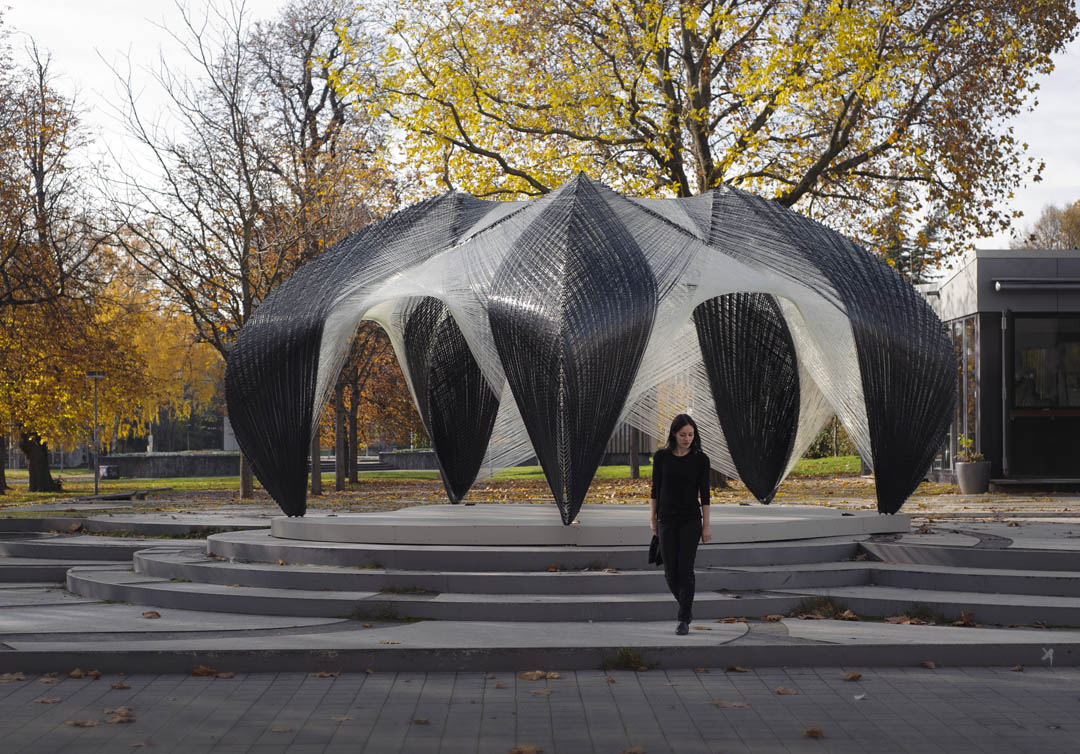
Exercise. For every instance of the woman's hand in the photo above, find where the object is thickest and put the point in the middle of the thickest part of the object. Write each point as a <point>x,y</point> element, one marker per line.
<point>652,524</point>
<point>706,534</point>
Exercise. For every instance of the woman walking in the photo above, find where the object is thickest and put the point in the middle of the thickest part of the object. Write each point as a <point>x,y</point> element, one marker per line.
<point>680,476</point>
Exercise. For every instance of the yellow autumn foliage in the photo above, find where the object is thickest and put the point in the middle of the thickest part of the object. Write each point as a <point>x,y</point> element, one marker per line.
<point>823,105</point>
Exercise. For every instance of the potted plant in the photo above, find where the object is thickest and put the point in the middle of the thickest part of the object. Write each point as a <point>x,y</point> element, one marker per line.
<point>972,470</point>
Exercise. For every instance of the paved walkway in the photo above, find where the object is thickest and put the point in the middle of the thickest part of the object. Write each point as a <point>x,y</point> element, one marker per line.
<point>887,710</point>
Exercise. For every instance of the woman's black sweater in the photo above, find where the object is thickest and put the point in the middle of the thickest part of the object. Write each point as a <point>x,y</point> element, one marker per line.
<point>677,481</point>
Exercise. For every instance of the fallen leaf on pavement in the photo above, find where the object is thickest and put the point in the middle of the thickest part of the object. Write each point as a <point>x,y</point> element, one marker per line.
<point>852,676</point>
<point>702,628</point>
<point>121,685</point>
<point>9,677</point>
<point>490,676</point>
<point>46,700</point>
<point>76,673</point>
<point>784,691</point>
<point>846,615</point>
<point>369,625</point>
<point>1018,668</point>
<point>228,674</point>
<point>340,718</point>
<point>420,720</point>
<point>151,614</point>
<point>81,723</point>
<point>724,704</point>
<point>701,670</point>
<point>500,685</point>
<point>540,692</point>
<point>773,618</point>
<point>324,674</point>
<point>814,733</point>
<point>736,669</point>
<point>966,619</point>
<point>525,749</point>
<point>635,750</point>
<point>95,674</point>
<point>609,679</point>
<point>119,715</point>
<point>389,641</point>
<point>928,664</point>
<point>204,670</point>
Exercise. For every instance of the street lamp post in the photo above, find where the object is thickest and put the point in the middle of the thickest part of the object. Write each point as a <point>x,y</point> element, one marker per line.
<point>95,376</point>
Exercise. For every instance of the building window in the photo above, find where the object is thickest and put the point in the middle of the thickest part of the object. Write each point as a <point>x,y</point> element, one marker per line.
<point>964,334</point>
<point>1046,364</point>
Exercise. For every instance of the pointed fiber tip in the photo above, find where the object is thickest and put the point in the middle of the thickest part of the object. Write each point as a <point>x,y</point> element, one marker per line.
<point>568,511</point>
<point>889,506</point>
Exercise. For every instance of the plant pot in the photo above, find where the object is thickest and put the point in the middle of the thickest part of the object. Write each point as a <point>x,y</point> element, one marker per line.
<point>973,477</point>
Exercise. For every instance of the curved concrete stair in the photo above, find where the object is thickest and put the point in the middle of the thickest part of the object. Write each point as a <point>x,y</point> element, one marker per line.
<point>28,570</point>
<point>261,546</point>
<point>129,586</point>
<point>76,547</point>
<point>1013,558</point>
<point>997,608</point>
<point>187,566</point>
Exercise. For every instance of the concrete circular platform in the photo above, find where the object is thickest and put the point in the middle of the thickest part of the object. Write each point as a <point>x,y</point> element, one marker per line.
<point>596,525</point>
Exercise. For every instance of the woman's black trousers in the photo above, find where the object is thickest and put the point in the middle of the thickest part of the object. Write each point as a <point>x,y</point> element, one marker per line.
<point>678,543</point>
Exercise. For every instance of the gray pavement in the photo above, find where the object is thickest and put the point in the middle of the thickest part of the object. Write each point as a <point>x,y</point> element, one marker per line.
<point>405,704</point>
<point>887,710</point>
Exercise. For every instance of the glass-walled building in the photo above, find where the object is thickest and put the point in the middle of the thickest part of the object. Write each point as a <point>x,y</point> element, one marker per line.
<point>1014,318</point>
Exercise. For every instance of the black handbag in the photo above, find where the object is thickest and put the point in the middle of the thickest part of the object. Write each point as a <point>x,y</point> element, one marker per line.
<point>655,555</point>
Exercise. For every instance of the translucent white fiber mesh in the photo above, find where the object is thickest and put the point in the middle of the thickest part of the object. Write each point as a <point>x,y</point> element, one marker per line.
<point>690,267</point>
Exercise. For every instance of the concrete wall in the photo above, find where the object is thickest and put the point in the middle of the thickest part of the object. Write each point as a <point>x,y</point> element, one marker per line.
<point>165,465</point>
<point>425,459</point>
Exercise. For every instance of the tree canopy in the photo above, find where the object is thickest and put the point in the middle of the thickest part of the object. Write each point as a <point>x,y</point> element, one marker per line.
<point>822,104</point>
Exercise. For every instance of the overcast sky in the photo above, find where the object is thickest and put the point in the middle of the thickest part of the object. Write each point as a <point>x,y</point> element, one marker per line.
<point>84,35</point>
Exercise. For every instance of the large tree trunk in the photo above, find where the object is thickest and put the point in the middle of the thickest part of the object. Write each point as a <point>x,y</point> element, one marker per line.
<point>341,450</point>
<point>635,467</point>
<point>37,461</point>
<point>316,458</point>
<point>354,449</point>
<point>247,483</point>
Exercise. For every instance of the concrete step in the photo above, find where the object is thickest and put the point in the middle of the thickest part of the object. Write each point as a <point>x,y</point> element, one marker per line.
<point>1013,558</point>
<point>77,547</point>
<point>260,546</point>
<point>184,564</point>
<point>981,580</point>
<point>129,586</point>
<point>28,570</point>
<point>997,609</point>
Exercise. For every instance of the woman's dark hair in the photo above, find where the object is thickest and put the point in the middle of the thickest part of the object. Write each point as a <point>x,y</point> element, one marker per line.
<point>678,423</point>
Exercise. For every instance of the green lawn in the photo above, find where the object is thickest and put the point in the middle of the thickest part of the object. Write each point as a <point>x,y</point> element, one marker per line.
<point>17,479</point>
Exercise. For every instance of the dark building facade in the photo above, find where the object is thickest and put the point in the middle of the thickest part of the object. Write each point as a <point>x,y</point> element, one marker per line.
<point>1014,317</point>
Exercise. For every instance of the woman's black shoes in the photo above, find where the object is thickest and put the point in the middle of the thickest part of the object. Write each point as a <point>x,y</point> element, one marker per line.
<point>683,628</point>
